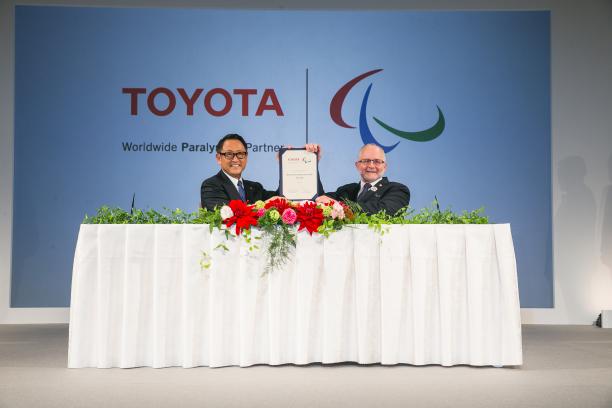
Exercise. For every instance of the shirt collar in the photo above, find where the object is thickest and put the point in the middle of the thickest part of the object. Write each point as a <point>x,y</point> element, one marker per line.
<point>363,183</point>
<point>234,180</point>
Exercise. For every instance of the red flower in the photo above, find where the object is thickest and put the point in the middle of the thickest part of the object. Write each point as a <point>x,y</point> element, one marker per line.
<point>279,203</point>
<point>244,216</point>
<point>309,216</point>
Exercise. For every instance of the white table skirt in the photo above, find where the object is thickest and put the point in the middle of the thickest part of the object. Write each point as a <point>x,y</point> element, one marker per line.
<point>419,294</point>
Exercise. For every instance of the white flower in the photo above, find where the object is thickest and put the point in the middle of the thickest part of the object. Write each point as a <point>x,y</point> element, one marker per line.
<point>226,212</point>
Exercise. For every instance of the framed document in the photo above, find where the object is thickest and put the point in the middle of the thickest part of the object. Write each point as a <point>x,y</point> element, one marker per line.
<point>298,174</point>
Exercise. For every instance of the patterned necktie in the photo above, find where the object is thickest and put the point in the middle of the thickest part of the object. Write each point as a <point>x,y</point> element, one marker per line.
<point>241,190</point>
<point>366,187</point>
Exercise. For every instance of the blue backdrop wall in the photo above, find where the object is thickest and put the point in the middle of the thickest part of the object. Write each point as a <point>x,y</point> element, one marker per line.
<point>98,90</point>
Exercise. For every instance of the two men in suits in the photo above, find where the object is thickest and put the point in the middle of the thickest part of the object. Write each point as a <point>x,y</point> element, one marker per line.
<point>228,184</point>
<point>374,192</point>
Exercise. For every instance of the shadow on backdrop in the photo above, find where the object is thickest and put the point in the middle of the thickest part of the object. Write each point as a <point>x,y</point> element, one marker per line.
<point>606,227</point>
<point>575,233</point>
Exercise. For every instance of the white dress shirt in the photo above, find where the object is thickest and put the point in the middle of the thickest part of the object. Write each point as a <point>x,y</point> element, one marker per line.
<point>234,180</point>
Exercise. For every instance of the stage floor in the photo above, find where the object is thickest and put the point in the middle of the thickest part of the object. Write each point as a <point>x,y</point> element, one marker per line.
<point>565,366</point>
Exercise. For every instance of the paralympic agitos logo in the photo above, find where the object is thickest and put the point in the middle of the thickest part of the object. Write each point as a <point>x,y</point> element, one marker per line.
<point>335,111</point>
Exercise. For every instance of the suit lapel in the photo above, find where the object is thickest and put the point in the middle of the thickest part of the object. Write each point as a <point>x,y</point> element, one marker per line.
<point>351,191</point>
<point>229,187</point>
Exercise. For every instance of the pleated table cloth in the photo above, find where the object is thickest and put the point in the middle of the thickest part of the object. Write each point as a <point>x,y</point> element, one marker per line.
<point>181,295</point>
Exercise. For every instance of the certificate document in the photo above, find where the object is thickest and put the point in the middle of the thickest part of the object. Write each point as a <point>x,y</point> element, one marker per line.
<point>298,174</point>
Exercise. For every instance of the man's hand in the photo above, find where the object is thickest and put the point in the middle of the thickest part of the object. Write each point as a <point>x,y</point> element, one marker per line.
<point>323,199</point>
<point>314,148</point>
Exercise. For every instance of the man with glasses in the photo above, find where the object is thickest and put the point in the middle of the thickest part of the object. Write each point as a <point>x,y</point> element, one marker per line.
<point>228,184</point>
<point>374,192</point>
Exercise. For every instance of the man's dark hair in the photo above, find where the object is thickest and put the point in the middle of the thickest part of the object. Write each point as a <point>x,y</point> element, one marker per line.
<point>231,136</point>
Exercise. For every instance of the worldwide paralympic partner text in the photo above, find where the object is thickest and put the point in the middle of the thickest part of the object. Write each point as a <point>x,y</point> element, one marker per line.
<point>189,147</point>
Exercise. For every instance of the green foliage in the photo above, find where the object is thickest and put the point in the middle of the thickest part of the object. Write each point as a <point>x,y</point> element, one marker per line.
<point>330,225</point>
<point>434,215</point>
<point>280,242</point>
<point>428,215</point>
<point>205,260</point>
<point>116,215</point>
<point>204,216</point>
<point>109,215</point>
<point>279,238</point>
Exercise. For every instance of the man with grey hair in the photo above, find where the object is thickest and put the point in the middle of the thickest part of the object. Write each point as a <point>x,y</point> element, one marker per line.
<point>374,192</point>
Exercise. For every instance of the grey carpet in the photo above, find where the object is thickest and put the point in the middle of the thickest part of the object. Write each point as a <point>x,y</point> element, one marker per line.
<point>565,366</point>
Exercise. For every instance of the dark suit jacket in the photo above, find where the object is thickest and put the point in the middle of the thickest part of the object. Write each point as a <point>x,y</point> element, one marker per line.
<point>219,190</point>
<point>387,196</point>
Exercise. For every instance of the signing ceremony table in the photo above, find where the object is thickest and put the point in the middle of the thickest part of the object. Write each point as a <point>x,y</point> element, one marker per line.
<point>417,294</point>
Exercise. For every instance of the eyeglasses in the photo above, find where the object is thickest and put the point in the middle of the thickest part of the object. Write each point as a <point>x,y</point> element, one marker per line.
<point>366,162</point>
<point>231,155</point>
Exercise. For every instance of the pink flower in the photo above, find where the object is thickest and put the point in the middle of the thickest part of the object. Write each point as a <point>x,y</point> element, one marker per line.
<point>337,211</point>
<point>261,212</point>
<point>289,216</point>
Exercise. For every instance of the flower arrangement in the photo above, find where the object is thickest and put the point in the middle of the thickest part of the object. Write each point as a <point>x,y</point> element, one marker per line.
<point>278,219</point>
<point>280,212</point>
